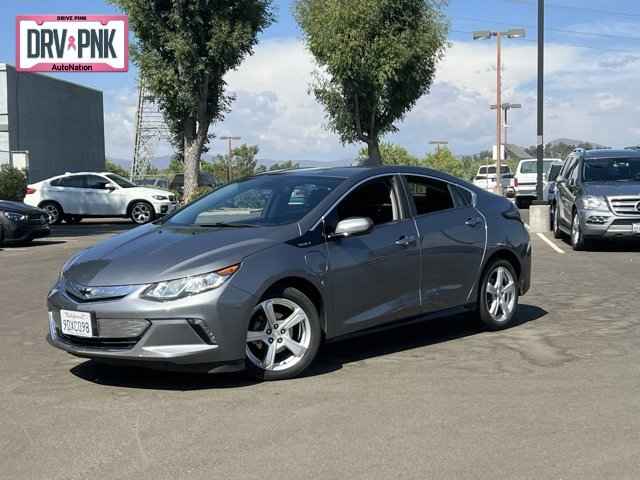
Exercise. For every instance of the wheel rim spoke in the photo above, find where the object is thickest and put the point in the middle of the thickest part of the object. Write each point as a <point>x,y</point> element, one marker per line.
<point>294,347</point>
<point>294,319</point>
<point>270,357</point>
<point>270,313</point>
<point>257,336</point>
<point>500,294</point>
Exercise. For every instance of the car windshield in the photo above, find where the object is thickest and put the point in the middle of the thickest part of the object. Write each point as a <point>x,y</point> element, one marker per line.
<point>258,201</point>
<point>532,166</point>
<point>611,170</point>
<point>123,182</point>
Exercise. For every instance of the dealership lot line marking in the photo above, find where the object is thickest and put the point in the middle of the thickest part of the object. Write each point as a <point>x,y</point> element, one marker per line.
<point>550,243</point>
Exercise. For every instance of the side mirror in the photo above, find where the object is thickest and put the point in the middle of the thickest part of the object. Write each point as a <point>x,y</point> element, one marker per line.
<point>110,186</point>
<point>352,226</point>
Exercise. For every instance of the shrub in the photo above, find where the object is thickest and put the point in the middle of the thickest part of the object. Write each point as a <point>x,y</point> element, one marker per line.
<point>13,183</point>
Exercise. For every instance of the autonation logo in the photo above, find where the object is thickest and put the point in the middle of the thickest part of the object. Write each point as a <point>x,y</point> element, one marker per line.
<point>72,43</point>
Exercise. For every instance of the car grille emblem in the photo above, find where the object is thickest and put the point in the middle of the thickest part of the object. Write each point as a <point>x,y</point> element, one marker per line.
<point>638,206</point>
<point>86,292</point>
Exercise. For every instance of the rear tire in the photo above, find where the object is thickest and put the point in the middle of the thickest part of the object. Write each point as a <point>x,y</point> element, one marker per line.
<point>54,212</point>
<point>499,295</point>
<point>72,219</point>
<point>283,336</point>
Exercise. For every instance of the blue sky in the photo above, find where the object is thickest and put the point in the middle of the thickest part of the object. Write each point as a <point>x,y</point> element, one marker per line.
<point>591,54</point>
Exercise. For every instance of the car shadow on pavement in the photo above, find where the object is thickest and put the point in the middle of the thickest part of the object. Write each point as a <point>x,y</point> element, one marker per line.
<point>32,244</point>
<point>89,228</point>
<point>144,378</point>
<point>430,332</point>
<point>331,357</point>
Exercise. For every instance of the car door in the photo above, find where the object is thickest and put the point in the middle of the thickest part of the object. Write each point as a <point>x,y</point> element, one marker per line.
<point>98,199</point>
<point>373,278</point>
<point>67,192</point>
<point>452,237</point>
<point>566,188</point>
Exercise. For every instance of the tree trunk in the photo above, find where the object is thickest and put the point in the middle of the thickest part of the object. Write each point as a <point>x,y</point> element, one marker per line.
<point>191,159</point>
<point>373,149</point>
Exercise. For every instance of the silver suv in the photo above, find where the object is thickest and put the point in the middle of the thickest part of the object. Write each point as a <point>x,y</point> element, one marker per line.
<point>598,196</point>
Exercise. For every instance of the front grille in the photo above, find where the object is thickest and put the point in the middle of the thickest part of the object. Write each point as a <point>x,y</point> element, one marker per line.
<point>625,205</point>
<point>99,342</point>
<point>109,333</point>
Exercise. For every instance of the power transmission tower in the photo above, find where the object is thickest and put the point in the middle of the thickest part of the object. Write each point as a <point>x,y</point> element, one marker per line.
<point>150,130</point>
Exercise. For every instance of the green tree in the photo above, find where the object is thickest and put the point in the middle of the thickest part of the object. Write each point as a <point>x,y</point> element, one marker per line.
<point>378,58</point>
<point>183,49</point>
<point>115,168</point>
<point>391,154</point>
<point>13,183</point>
<point>445,161</point>
<point>286,165</point>
<point>243,164</point>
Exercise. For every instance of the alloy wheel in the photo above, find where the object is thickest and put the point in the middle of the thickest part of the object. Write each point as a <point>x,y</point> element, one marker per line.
<point>279,335</point>
<point>53,213</point>
<point>141,213</point>
<point>501,294</point>
<point>575,231</point>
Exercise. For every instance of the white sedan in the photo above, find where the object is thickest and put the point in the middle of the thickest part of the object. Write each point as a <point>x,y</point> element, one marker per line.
<point>72,196</point>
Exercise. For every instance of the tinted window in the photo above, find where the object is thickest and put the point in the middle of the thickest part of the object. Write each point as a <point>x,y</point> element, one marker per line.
<point>612,170</point>
<point>374,199</point>
<point>461,196</point>
<point>123,182</point>
<point>429,195</point>
<point>262,200</point>
<point>73,181</point>
<point>95,182</point>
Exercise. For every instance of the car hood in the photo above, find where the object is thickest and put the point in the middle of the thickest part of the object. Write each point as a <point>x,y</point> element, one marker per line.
<point>612,189</point>
<point>153,253</point>
<point>18,207</point>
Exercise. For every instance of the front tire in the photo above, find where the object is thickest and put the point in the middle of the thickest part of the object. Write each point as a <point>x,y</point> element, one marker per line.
<point>54,212</point>
<point>284,335</point>
<point>578,242</point>
<point>142,212</point>
<point>557,232</point>
<point>498,302</point>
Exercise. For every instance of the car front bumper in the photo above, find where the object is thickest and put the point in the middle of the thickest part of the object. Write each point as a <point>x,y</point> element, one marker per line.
<point>205,332</point>
<point>21,232</point>
<point>164,207</point>
<point>605,224</point>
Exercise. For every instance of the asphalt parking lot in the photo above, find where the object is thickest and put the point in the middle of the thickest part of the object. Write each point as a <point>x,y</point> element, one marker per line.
<point>557,396</point>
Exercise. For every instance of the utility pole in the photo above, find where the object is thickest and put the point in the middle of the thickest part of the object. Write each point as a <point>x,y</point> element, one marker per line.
<point>438,144</point>
<point>484,35</point>
<point>229,139</point>
<point>540,149</point>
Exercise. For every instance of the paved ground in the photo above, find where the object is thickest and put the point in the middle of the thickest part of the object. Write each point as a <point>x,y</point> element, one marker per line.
<point>556,397</point>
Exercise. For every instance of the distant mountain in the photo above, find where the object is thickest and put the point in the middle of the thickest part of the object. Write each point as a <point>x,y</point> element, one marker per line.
<point>571,141</point>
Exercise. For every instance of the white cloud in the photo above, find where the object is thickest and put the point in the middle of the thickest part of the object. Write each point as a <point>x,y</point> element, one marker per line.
<point>588,95</point>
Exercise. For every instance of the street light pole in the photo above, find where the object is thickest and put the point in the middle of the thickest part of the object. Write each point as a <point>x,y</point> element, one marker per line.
<point>483,35</point>
<point>499,114</point>
<point>505,109</point>
<point>438,144</point>
<point>230,155</point>
<point>540,139</point>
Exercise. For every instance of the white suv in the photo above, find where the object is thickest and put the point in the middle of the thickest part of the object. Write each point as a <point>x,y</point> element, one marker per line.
<point>72,196</point>
<point>526,178</point>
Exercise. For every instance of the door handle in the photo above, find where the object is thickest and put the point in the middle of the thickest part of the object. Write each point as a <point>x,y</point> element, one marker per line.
<point>473,222</point>
<point>406,241</point>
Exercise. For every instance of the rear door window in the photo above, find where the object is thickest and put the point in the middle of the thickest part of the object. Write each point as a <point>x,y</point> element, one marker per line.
<point>429,195</point>
<point>72,181</point>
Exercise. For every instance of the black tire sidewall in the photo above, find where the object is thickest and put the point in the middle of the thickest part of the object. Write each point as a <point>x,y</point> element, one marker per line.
<point>310,309</point>
<point>483,311</point>
<point>581,243</point>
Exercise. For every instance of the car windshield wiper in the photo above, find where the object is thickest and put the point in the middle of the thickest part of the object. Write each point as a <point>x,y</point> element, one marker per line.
<point>225,225</point>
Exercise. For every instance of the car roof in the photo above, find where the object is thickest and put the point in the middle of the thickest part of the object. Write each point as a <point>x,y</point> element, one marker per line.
<point>612,153</point>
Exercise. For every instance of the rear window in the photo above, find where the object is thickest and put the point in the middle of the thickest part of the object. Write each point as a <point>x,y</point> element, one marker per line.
<point>532,166</point>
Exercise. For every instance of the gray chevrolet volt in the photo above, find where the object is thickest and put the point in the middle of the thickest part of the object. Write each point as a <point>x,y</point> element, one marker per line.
<point>260,272</point>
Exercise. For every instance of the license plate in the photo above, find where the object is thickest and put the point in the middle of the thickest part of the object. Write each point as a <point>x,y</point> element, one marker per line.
<point>636,228</point>
<point>77,324</point>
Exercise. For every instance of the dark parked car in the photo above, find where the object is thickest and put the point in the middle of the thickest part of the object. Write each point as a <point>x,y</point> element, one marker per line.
<point>176,182</point>
<point>21,223</point>
<point>597,195</point>
<point>261,271</point>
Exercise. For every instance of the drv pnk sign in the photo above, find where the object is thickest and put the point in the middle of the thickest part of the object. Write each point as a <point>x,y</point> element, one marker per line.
<point>72,43</point>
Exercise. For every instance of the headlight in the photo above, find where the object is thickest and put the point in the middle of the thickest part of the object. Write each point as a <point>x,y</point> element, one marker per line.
<point>15,217</point>
<point>594,203</point>
<point>160,197</point>
<point>183,287</point>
